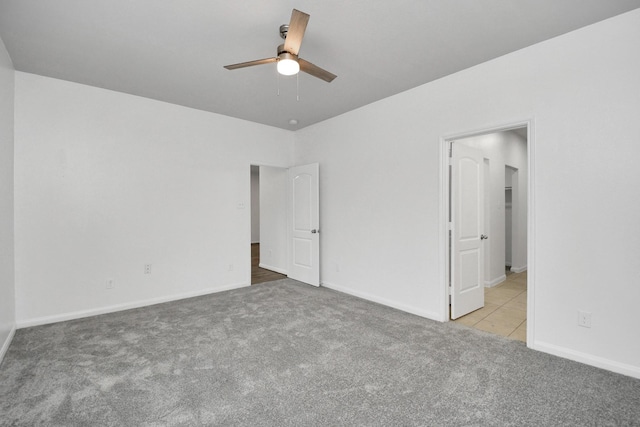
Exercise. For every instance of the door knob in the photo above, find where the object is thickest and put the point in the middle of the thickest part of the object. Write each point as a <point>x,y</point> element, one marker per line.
<point>314,231</point>
<point>483,237</point>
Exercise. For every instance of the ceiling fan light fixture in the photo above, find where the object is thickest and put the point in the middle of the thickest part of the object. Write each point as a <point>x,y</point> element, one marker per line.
<point>288,64</point>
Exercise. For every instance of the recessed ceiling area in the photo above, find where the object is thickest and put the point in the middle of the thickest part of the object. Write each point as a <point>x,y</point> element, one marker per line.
<point>175,51</point>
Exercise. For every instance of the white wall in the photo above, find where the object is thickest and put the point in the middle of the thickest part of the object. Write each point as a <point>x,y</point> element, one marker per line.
<point>106,182</point>
<point>381,187</point>
<point>7,297</point>
<point>273,219</point>
<point>504,149</point>
<point>255,204</point>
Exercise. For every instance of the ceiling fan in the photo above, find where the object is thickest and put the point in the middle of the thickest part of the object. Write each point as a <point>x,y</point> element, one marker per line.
<point>288,62</point>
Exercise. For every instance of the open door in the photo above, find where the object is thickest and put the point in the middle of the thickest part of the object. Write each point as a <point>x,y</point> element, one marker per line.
<point>304,230</point>
<point>467,222</point>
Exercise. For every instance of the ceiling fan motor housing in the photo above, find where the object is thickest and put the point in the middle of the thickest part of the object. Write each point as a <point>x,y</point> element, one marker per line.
<point>283,54</point>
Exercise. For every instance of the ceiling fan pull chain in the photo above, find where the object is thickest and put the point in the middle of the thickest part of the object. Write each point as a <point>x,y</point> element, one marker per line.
<point>278,80</point>
<point>298,87</point>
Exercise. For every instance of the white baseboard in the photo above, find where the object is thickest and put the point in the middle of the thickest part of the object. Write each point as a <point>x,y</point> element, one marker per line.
<point>495,281</point>
<point>588,359</point>
<point>389,303</point>
<point>121,307</point>
<point>7,343</point>
<point>518,269</point>
<point>276,269</point>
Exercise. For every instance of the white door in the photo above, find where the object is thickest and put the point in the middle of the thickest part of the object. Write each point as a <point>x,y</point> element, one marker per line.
<point>304,230</point>
<point>467,222</point>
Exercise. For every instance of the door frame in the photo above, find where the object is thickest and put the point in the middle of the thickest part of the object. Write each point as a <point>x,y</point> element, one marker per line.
<point>445,212</point>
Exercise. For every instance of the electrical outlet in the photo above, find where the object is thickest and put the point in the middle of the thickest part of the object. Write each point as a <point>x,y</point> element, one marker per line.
<point>109,284</point>
<point>584,319</point>
<point>230,267</point>
<point>147,269</point>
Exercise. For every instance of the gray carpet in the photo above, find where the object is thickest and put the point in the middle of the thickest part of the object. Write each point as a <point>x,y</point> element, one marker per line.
<point>287,354</point>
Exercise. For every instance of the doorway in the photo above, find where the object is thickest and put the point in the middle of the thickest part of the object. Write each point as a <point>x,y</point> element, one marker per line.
<point>268,224</point>
<point>285,208</point>
<point>505,163</point>
<point>510,175</point>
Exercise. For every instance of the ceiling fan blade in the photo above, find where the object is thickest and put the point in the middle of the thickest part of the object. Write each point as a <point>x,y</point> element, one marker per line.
<point>297,26</point>
<point>316,71</point>
<point>250,63</point>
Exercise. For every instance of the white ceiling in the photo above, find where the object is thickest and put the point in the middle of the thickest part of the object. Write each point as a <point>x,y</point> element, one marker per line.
<point>174,50</point>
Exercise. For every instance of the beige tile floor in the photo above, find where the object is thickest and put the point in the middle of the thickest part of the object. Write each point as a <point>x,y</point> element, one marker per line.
<point>505,309</point>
